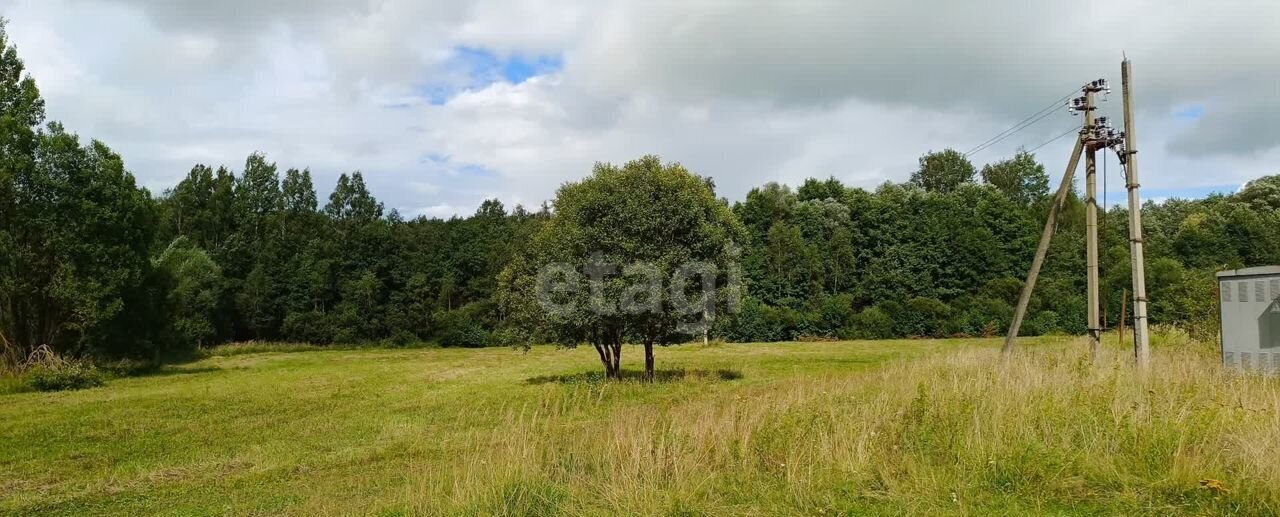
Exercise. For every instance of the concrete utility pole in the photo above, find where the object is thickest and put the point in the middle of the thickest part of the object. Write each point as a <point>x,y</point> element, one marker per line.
<point>1045,237</point>
<point>1129,158</point>
<point>1095,134</point>
<point>1091,216</point>
<point>1090,140</point>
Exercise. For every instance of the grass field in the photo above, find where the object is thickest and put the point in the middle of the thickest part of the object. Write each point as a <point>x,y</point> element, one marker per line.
<point>885,427</point>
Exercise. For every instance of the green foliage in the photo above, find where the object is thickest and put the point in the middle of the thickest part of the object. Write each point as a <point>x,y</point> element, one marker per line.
<point>68,375</point>
<point>943,171</point>
<point>309,327</point>
<point>1021,178</point>
<point>195,291</point>
<point>465,327</point>
<point>1262,193</point>
<point>20,100</point>
<point>1043,322</point>
<point>873,323</point>
<point>78,246</point>
<point>645,218</point>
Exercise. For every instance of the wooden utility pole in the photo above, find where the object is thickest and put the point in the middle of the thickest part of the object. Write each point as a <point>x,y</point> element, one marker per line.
<point>1045,237</point>
<point>1129,158</point>
<point>1091,217</point>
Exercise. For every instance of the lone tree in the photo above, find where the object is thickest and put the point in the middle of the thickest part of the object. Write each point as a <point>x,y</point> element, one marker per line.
<point>641,253</point>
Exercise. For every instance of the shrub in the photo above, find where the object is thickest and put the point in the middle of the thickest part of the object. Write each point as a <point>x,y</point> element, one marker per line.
<point>936,315</point>
<point>980,316</point>
<point>1044,322</point>
<point>309,327</point>
<point>923,317</point>
<point>467,334</point>
<point>789,323</point>
<point>511,336</point>
<point>748,324</point>
<point>873,323</point>
<point>64,375</point>
<point>402,338</point>
<point>464,327</point>
<point>835,315</point>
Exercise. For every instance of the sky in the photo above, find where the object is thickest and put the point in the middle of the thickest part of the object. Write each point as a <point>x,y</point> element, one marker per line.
<point>442,104</point>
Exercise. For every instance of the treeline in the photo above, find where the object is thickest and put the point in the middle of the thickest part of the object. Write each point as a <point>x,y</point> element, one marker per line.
<point>259,258</point>
<point>945,255</point>
<point>93,265</point>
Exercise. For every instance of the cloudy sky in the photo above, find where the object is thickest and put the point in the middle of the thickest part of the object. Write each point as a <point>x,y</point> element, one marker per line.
<point>444,103</point>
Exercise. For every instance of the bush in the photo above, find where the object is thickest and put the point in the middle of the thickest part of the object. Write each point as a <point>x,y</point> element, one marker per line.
<point>402,338</point>
<point>1044,322</point>
<point>65,375</point>
<point>468,334</point>
<point>980,316</point>
<point>309,327</point>
<point>748,324</point>
<point>922,317</point>
<point>511,336</point>
<point>464,327</point>
<point>789,324</point>
<point>835,315</point>
<point>873,323</point>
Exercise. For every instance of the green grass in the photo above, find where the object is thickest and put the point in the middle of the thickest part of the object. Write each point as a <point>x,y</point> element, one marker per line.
<point>790,428</point>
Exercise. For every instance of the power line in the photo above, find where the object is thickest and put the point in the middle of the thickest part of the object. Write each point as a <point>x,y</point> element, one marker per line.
<point>1073,129</point>
<point>995,141</point>
<point>1023,124</point>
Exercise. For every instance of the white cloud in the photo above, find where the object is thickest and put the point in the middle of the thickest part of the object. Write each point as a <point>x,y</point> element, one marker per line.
<point>442,210</point>
<point>746,92</point>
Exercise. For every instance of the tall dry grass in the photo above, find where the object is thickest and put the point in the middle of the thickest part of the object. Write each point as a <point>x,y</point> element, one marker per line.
<point>962,432</point>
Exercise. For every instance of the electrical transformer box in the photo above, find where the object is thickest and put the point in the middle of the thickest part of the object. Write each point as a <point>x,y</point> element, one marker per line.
<point>1249,301</point>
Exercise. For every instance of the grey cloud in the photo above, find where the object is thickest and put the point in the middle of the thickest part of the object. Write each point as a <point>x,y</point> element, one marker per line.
<point>202,16</point>
<point>746,92</point>
<point>1003,57</point>
<point>1233,127</point>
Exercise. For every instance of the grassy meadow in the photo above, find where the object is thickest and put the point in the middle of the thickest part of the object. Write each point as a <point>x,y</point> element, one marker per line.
<point>825,428</point>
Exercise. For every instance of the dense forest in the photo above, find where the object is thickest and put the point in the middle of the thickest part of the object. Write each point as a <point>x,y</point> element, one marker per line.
<point>93,265</point>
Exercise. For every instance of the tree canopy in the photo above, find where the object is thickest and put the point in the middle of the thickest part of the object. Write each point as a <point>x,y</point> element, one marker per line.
<point>1021,177</point>
<point>943,171</point>
<point>639,251</point>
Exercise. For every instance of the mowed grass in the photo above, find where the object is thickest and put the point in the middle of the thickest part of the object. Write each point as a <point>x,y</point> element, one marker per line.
<point>883,427</point>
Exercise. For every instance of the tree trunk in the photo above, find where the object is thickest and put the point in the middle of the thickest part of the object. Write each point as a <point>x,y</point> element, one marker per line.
<point>648,361</point>
<point>617,360</point>
<point>604,360</point>
<point>610,356</point>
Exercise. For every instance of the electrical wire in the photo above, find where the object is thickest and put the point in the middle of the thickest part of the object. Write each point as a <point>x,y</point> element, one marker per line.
<point>1000,139</point>
<point>1054,139</point>
<point>1023,124</point>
